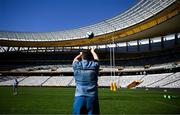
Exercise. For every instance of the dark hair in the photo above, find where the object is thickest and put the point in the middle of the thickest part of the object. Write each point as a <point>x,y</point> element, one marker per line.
<point>87,54</point>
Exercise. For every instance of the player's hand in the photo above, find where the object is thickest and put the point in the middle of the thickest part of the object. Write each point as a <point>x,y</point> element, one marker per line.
<point>93,49</point>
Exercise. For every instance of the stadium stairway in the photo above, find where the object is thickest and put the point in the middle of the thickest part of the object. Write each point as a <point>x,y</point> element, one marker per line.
<point>160,80</point>
<point>71,82</point>
<point>171,82</point>
<point>175,78</point>
<point>45,81</point>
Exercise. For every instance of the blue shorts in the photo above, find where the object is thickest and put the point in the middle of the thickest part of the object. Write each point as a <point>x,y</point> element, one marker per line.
<point>86,105</point>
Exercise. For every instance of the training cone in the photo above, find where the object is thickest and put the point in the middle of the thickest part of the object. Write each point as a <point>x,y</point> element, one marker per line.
<point>169,97</point>
<point>164,96</point>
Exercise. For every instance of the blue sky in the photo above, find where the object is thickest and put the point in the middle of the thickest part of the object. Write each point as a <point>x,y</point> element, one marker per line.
<point>55,15</point>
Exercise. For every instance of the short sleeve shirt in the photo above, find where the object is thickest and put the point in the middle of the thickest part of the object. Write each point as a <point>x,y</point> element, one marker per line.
<point>86,77</point>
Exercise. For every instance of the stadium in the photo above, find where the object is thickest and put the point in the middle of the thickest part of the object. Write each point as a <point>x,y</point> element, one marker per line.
<point>139,52</point>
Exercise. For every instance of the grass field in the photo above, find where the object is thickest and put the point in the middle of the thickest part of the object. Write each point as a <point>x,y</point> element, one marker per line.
<point>53,100</point>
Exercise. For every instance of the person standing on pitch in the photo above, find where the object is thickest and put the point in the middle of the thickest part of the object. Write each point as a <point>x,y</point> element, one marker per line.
<point>15,86</point>
<point>86,76</point>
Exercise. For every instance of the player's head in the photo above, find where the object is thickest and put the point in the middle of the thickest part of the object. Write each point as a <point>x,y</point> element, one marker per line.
<point>86,55</point>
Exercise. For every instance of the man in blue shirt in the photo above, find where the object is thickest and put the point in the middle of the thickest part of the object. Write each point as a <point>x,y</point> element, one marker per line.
<point>86,77</point>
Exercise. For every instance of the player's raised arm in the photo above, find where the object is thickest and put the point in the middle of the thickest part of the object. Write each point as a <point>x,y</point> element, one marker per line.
<point>78,57</point>
<point>95,56</point>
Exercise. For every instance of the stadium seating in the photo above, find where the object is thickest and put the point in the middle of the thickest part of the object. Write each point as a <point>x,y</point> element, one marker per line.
<point>164,80</point>
<point>149,80</point>
<point>33,81</point>
<point>104,80</point>
<point>124,81</point>
<point>129,66</point>
<point>175,84</point>
<point>59,81</point>
<point>167,80</point>
<point>9,80</point>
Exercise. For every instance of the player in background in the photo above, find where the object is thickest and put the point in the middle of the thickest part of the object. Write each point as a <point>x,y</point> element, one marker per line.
<point>15,86</point>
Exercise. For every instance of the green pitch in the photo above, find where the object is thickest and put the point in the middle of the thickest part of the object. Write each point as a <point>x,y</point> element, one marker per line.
<point>54,100</point>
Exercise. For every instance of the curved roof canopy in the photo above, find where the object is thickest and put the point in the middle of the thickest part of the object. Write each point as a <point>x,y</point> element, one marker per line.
<point>140,12</point>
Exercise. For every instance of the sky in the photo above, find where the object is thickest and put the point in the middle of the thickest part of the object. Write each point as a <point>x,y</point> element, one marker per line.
<point>57,15</point>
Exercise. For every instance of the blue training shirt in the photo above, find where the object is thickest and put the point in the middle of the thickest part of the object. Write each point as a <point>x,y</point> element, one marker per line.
<point>86,77</point>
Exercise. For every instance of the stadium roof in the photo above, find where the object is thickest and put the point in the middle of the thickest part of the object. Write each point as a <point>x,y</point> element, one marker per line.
<point>142,11</point>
